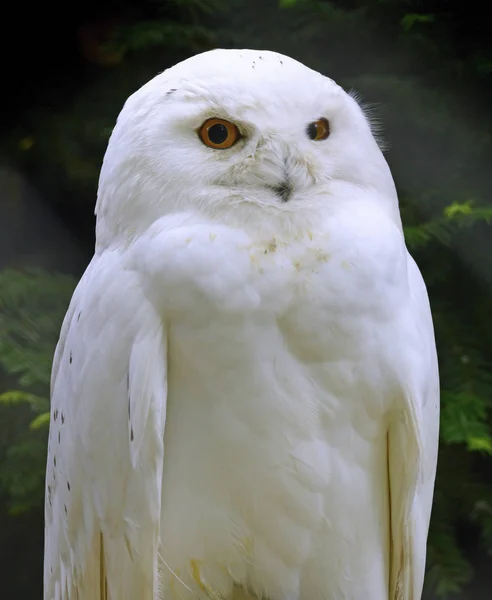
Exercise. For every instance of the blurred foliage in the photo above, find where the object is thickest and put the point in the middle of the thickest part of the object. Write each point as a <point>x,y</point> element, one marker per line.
<point>417,77</point>
<point>32,306</point>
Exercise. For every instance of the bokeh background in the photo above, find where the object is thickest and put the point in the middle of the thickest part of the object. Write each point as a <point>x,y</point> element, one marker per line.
<point>423,70</point>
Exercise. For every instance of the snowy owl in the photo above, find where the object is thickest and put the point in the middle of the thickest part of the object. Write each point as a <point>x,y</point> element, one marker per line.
<point>245,393</point>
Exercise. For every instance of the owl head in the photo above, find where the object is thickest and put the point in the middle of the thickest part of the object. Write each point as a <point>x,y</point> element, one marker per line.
<point>245,136</point>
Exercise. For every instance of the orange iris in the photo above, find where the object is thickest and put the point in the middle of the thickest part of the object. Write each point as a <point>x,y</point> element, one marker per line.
<point>219,133</point>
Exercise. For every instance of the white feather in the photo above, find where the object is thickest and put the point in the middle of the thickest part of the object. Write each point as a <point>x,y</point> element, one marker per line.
<point>100,485</point>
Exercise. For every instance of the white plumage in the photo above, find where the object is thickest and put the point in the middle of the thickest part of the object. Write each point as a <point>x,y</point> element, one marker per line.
<point>245,394</point>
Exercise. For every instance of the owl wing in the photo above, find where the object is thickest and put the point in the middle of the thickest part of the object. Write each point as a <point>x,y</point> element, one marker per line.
<point>412,442</point>
<point>105,453</point>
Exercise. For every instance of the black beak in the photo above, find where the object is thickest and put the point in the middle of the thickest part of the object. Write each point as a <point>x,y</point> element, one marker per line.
<point>283,191</point>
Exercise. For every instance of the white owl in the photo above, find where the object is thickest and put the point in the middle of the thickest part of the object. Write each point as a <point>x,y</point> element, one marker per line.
<point>245,394</point>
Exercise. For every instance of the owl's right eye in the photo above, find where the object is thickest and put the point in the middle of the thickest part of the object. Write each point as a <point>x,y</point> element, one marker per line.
<point>219,133</point>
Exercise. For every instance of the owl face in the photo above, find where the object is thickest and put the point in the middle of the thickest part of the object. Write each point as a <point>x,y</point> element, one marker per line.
<point>233,128</point>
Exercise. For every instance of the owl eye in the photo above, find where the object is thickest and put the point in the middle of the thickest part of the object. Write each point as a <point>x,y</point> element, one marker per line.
<point>219,133</point>
<point>318,130</point>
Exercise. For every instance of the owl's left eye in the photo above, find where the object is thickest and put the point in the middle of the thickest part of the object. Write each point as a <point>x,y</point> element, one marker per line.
<point>219,133</point>
<point>318,130</point>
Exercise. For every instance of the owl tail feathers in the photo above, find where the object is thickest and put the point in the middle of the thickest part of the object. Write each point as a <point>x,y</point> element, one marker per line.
<point>124,573</point>
<point>405,456</point>
<point>103,582</point>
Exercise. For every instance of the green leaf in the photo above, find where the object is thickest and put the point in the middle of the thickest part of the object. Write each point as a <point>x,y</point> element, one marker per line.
<point>16,397</point>
<point>456,208</point>
<point>480,444</point>
<point>464,420</point>
<point>40,421</point>
<point>410,20</point>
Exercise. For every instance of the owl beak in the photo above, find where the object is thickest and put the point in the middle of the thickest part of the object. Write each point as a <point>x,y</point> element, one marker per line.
<point>283,191</point>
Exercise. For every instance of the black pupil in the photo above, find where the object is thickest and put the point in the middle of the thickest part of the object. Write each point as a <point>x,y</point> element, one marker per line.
<point>312,131</point>
<point>217,134</point>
